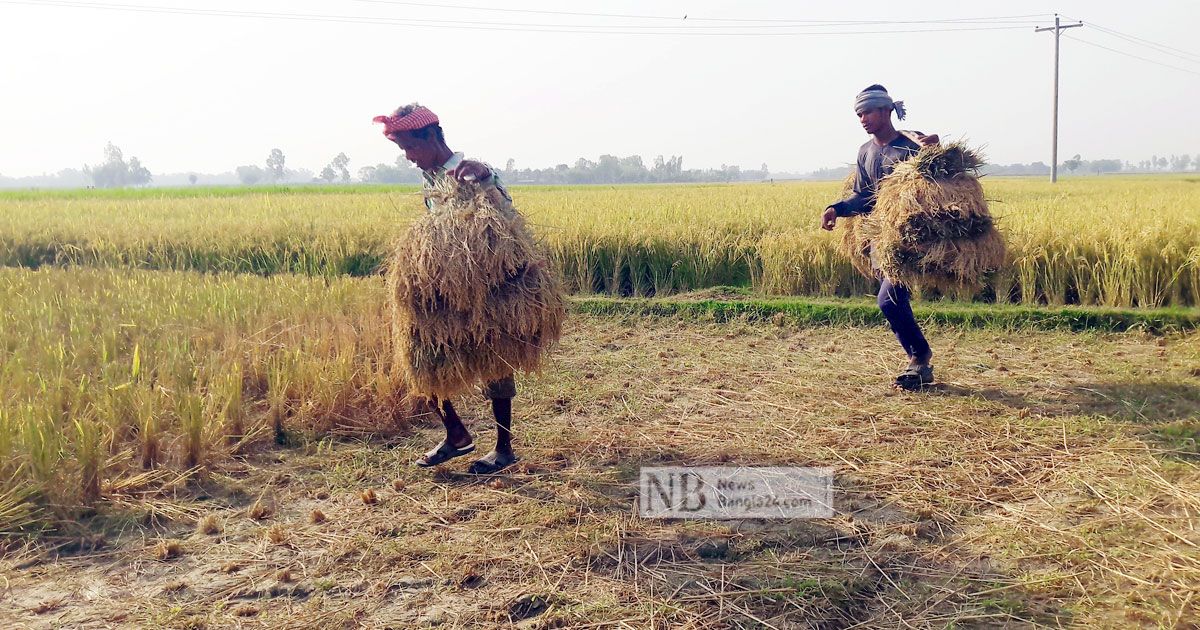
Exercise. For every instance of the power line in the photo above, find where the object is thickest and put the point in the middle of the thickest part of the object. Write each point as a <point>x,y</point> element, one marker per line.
<point>1121,52</point>
<point>674,17</point>
<point>1155,48</point>
<point>461,24</point>
<point>1141,41</point>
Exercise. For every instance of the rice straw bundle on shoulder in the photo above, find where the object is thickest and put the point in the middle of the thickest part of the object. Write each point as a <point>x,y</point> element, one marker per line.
<point>931,226</point>
<point>474,298</point>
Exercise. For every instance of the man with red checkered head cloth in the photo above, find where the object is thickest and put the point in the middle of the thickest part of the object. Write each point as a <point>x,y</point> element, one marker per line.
<point>418,132</point>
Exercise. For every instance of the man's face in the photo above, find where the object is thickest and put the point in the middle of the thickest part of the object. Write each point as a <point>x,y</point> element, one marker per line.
<point>875,120</point>
<point>420,151</point>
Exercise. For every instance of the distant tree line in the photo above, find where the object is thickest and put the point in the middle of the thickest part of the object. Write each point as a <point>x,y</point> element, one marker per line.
<point>274,172</point>
<point>1174,163</point>
<point>116,171</point>
<point>610,169</point>
<point>402,172</point>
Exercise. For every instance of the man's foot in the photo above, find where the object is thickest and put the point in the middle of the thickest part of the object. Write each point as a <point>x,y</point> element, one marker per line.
<point>493,462</point>
<point>444,453</point>
<point>914,377</point>
<point>920,361</point>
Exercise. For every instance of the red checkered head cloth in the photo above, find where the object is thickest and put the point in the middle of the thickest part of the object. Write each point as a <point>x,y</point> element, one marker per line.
<point>416,118</point>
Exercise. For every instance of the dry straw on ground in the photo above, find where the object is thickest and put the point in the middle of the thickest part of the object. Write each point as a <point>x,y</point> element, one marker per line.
<point>1036,495</point>
<point>473,295</point>
<point>167,549</point>
<point>931,227</point>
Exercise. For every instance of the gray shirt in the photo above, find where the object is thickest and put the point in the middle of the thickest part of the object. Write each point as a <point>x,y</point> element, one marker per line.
<point>874,162</point>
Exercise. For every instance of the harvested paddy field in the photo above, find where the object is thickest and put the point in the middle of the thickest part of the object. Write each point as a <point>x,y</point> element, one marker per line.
<point>1049,479</point>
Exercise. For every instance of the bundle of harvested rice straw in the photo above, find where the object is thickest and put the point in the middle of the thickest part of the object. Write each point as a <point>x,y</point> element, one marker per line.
<point>931,227</point>
<point>473,296</point>
<point>853,245</point>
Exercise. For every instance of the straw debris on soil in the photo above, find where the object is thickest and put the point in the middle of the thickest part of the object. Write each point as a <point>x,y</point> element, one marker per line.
<point>1042,484</point>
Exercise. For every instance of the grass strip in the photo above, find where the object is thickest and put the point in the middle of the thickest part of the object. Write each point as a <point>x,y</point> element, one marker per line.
<point>732,303</point>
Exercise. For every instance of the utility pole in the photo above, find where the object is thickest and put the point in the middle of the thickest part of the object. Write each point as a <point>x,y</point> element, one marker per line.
<point>1058,28</point>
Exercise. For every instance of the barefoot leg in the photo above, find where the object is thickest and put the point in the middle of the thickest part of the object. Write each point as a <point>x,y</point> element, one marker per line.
<point>456,432</point>
<point>501,394</point>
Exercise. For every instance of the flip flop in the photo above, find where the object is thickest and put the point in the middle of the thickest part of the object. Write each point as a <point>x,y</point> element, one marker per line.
<point>444,453</point>
<point>487,465</point>
<point>914,378</point>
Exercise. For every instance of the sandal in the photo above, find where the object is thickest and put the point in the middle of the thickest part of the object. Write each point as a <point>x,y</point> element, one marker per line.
<point>444,453</point>
<point>491,463</point>
<point>914,378</point>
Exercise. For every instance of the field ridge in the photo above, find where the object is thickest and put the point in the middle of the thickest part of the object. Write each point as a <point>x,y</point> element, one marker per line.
<point>723,304</point>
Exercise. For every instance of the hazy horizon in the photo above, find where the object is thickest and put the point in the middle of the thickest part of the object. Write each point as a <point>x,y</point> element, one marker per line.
<point>215,88</point>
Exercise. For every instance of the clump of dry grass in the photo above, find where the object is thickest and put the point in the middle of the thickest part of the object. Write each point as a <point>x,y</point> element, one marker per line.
<point>473,296</point>
<point>278,534</point>
<point>316,517</point>
<point>49,605</point>
<point>369,497</point>
<point>167,549</point>
<point>261,510</point>
<point>931,226</point>
<point>398,485</point>
<point>209,525</point>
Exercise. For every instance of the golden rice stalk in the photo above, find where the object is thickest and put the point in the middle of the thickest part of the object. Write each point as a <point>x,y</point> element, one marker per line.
<point>89,452</point>
<point>474,297</point>
<point>931,227</point>
<point>17,509</point>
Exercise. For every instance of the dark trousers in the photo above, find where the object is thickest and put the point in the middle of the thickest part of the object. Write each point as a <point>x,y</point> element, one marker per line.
<point>894,302</point>
<point>500,389</point>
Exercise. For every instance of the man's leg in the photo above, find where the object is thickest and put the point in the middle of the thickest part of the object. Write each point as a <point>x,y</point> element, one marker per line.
<point>501,393</point>
<point>458,439</point>
<point>502,410</point>
<point>456,431</point>
<point>894,302</point>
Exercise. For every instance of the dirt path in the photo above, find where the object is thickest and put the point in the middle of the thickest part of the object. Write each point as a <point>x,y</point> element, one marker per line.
<point>1051,479</point>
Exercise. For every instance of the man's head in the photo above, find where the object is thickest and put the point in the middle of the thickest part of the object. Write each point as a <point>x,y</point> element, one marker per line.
<point>418,132</point>
<point>874,108</point>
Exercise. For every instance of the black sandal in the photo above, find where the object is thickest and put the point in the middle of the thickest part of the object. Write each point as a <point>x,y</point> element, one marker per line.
<point>488,464</point>
<point>444,453</point>
<point>914,378</point>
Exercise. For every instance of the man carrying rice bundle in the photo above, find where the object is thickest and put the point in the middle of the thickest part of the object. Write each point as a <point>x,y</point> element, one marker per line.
<point>876,159</point>
<point>444,345</point>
